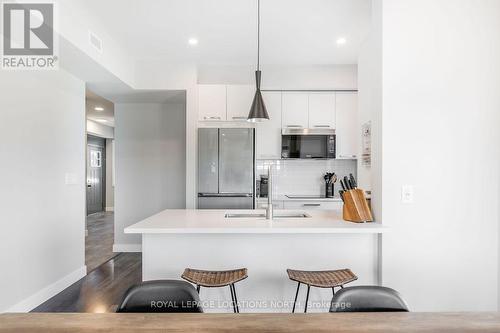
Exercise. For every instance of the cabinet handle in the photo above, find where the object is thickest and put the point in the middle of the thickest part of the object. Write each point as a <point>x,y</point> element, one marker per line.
<point>211,118</point>
<point>240,118</point>
<point>294,126</point>
<point>322,126</point>
<point>312,205</point>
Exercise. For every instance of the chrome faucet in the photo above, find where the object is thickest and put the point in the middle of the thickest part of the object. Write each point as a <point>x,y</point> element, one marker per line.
<point>269,209</point>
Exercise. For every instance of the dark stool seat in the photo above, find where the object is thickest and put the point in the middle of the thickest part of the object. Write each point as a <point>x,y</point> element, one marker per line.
<point>161,296</point>
<point>215,279</point>
<point>368,299</point>
<point>320,279</point>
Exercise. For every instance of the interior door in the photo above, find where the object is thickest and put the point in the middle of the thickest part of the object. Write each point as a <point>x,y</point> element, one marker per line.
<point>236,160</point>
<point>95,176</point>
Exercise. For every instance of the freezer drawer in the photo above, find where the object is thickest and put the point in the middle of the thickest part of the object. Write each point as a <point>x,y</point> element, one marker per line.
<point>225,202</point>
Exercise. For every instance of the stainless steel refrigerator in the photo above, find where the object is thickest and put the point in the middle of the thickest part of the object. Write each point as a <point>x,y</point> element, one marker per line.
<point>225,168</point>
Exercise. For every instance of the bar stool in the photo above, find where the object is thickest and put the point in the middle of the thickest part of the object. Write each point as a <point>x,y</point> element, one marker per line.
<point>320,279</point>
<point>368,299</point>
<point>216,279</point>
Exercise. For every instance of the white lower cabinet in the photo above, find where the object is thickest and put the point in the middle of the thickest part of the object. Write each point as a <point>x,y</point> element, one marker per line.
<point>313,205</point>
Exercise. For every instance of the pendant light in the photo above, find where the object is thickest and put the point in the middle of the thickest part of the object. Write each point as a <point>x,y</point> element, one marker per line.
<point>258,111</point>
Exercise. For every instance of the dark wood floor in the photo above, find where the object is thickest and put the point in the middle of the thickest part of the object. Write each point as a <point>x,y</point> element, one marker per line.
<point>100,238</point>
<point>101,290</point>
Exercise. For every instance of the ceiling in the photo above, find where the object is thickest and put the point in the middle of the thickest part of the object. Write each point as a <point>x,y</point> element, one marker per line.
<point>293,31</point>
<point>105,117</point>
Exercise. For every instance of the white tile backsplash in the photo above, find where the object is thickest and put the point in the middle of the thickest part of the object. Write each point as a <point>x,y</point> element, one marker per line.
<point>304,177</point>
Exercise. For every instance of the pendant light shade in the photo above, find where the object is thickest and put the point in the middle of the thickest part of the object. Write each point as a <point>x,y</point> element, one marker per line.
<point>258,111</point>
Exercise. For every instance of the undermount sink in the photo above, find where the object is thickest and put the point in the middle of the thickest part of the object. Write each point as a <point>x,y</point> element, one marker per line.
<point>260,215</point>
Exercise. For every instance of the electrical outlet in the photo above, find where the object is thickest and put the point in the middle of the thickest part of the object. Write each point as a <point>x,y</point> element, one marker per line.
<point>407,194</point>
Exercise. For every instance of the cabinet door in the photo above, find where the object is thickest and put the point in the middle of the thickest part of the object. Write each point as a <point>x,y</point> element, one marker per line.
<point>322,110</point>
<point>239,101</point>
<point>212,102</point>
<point>314,205</point>
<point>295,110</point>
<point>347,125</point>
<point>268,133</point>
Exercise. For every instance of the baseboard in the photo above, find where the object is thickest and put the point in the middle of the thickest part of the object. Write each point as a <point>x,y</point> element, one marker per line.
<point>110,209</point>
<point>127,248</point>
<point>43,295</point>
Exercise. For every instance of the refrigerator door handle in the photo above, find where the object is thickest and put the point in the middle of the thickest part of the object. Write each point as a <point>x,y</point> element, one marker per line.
<point>225,195</point>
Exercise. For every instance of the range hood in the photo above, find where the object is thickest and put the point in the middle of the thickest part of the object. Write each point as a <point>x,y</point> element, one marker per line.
<point>307,131</point>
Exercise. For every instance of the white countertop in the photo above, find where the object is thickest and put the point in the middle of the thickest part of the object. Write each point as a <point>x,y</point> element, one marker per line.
<point>200,221</point>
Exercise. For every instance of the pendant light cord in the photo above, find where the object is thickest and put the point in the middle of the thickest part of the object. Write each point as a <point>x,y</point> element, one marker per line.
<point>258,35</point>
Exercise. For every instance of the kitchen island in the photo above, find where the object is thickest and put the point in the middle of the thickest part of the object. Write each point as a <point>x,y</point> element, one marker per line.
<point>173,240</point>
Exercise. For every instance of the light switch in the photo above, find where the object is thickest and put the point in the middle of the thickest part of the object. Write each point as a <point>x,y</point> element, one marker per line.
<point>407,194</point>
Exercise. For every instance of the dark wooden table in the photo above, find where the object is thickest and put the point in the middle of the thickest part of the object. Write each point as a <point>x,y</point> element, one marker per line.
<point>339,322</point>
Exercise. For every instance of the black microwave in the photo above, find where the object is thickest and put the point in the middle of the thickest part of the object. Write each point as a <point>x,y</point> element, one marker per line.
<point>308,143</point>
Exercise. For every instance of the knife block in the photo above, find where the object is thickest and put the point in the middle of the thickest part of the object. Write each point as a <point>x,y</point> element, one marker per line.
<point>356,207</point>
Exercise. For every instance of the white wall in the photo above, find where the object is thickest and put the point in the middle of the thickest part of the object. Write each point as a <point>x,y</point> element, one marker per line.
<point>304,177</point>
<point>150,159</point>
<point>75,21</point>
<point>370,107</point>
<point>152,74</point>
<point>110,187</point>
<point>441,111</point>
<point>283,77</point>
<point>100,130</point>
<point>42,139</point>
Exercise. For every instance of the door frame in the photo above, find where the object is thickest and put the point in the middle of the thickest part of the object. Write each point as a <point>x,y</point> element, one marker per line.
<point>103,166</point>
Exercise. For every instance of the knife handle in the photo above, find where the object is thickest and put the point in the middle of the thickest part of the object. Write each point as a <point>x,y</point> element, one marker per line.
<point>353,181</point>
<point>346,182</point>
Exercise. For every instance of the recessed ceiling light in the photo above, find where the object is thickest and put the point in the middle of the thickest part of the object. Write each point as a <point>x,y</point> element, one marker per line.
<point>101,120</point>
<point>193,41</point>
<point>99,108</point>
<point>341,41</point>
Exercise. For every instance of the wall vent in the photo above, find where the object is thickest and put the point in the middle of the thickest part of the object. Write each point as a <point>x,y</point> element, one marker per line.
<point>95,42</point>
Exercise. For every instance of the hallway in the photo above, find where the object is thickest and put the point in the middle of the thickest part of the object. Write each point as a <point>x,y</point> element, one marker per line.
<point>99,241</point>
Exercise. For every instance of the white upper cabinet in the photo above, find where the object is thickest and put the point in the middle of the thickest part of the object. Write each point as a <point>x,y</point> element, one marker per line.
<point>322,110</point>
<point>268,132</point>
<point>347,125</point>
<point>211,102</point>
<point>239,101</point>
<point>295,110</point>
